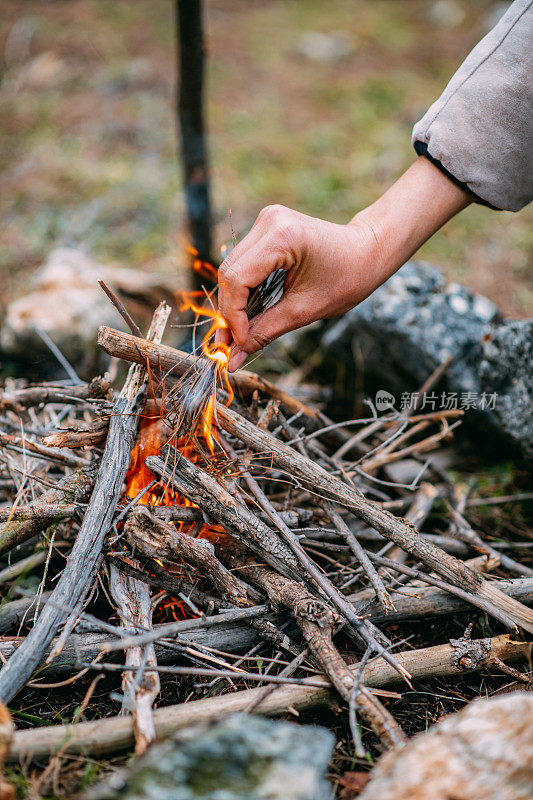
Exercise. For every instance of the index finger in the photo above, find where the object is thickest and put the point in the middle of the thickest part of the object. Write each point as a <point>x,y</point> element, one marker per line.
<point>237,277</point>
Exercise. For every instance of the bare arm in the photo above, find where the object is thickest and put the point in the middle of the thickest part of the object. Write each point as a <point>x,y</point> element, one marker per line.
<point>330,268</point>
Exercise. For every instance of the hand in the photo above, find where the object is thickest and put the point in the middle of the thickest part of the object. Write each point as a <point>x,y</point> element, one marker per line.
<point>330,268</point>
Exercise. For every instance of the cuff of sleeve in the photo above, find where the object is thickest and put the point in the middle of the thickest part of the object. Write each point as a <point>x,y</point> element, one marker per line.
<point>421,149</point>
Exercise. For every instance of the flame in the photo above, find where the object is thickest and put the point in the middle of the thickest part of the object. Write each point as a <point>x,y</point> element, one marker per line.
<point>204,268</point>
<point>152,433</point>
<point>219,353</point>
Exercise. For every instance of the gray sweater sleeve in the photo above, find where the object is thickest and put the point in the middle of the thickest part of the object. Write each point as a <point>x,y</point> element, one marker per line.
<point>481,128</point>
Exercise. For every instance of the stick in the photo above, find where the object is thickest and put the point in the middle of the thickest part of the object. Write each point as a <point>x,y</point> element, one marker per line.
<point>19,399</point>
<point>141,690</point>
<point>122,310</point>
<point>76,487</point>
<point>169,361</point>
<point>237,519</point>
<point>397,530</point>
<point>83,559</point>
<point>361,555</point>
<point>110,735</point>
<point>156,539</point>
<point>316,621</point>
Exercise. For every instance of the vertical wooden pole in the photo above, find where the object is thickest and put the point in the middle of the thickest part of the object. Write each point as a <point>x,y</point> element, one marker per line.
<point>190,113</point>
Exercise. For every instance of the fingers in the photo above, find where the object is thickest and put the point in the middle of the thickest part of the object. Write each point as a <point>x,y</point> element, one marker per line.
<point>236,278</point>
<point>262,251</point>
<point>284,316</point>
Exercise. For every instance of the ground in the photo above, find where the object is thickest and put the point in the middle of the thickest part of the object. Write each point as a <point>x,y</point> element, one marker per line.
<point>88,134</point>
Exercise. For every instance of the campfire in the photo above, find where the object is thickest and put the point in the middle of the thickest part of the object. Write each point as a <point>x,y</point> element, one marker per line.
<point>198,523</point>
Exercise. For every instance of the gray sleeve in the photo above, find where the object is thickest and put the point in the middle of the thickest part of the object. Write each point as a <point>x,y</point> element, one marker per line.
<point>481,128</point>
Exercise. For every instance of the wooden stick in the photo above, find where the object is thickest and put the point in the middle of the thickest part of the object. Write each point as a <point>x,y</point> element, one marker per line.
<point>237,519</point>
<point>156,539</point>
<point>19,399</point>
<point>397,530</point>
<point>317,621</point>
<point>115,734</point>
<point>76,487</point>
<point>135,606</point>
<point>168,361</point>
<point>82,562</point>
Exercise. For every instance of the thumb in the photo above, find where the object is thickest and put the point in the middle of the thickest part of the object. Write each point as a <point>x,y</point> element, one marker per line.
<point>286,315</point>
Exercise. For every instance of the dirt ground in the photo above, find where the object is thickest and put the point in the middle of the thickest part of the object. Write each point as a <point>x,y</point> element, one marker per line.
<point>88,136</point>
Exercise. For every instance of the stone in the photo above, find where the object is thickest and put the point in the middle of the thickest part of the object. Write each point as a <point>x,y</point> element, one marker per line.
<point>243,757</point>
<point>445,14</point>
<point>325,47</point>
<point>414,322</point>
<point>67,303</point>
<point>507,369</point>
<point>481,753</point>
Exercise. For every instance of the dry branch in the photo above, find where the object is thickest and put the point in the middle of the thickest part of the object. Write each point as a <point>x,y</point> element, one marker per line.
<point>317,621</point>
<point>169,361</point>
<point>140,690</point>
<point>109,735</point>
<point>82,562</point>
<point>156,539</point>
<point>76,487</point>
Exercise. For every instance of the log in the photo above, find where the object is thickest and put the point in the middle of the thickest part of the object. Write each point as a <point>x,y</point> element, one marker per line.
<point>82,561</point>
<point>111,735</point>
<point>76,487</point>
<point>167,361</point>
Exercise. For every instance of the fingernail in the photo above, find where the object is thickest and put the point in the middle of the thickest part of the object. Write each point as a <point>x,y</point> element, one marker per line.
<point>237,359</point>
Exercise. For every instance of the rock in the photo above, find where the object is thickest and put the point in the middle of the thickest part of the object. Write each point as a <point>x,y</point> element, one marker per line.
<point>445,14</point>
<point>325,47</point>
<point>414,322</point>
<point>506,368</point>
<point>67,303</point>
<point>240,758</point>
<point>484,752</point>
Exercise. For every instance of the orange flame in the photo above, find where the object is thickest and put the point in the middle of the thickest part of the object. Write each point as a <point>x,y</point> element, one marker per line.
<point>219,353</point>
<point>204,268</point>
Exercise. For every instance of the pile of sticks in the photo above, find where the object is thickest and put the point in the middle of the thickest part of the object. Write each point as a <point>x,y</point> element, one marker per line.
<point>291,546</point>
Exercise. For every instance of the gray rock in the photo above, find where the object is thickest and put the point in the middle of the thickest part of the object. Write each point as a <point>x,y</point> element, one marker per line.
<point>325,47</point>
<point>415,321</point>
<point>240,758</point>
<point>67,303</point>
<point>507,369</point>
<point>484,752</point>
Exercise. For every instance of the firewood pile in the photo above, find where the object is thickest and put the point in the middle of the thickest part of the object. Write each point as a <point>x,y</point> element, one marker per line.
<point>255,550</point>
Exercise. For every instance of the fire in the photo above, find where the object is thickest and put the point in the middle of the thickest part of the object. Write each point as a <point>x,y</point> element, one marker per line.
<point>219,353</point>
<point>204,268</point>
<point>153,434</point>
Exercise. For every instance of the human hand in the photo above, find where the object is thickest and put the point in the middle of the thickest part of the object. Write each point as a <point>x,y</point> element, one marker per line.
<point>330,268</point>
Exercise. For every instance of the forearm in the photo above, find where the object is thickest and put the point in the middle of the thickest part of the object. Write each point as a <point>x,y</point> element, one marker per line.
<point>421,201</point>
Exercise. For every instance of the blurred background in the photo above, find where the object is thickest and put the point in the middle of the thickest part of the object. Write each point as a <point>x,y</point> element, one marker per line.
<point>309,104</point>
